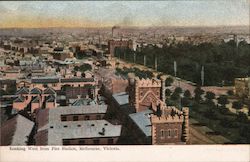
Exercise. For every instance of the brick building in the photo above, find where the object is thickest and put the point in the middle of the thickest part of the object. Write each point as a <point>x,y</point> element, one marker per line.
<point>112,44</point>
<point>147,118</point>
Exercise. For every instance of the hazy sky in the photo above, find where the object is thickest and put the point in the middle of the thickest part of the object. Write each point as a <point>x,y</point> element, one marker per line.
<point>124,13</point>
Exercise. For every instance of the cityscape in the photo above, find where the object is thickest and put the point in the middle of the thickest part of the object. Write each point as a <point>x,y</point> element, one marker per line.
<point>126,77</point>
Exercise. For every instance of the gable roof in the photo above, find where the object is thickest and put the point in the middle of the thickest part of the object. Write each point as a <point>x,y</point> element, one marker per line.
<point>35,91</point>
<point>49,90</point>
<point>23,90</point>
<point>19,99</point>
<point>50,98</point>
<point>16,130</point>
<point>36,100</point>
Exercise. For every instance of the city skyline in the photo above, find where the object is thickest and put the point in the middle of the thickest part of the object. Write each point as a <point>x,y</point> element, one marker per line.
<point>123,13</point>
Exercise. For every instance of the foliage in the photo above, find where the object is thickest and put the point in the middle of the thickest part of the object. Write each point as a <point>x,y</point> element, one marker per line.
<point>230,92</point>
<point>169,81</point>
<point>198,92</point>
<point>220,61</point>
<point>242,117</point>
<point>83,67</point>
<point>168,92</point>
<point>178,90</point>
<point>237,105</point>
<point>187,94</point>
<point>139,73</point>
<point>223,100</point>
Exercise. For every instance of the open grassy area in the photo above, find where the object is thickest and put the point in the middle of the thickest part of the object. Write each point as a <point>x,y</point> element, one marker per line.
<point>224,122</point>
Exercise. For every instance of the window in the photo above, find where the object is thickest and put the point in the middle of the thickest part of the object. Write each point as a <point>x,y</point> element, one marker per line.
<point>110,141</point>
<point>65,126</point>
<point>81,142</point>
<point>75,118</point>
<point>86,117</point>
<point>169,133</point>
<point>162,133</point>
<point>66,142</point>
<point>98,117</point>
<point>63,118</point>
<point>96,141</point>
<point>175,133</point>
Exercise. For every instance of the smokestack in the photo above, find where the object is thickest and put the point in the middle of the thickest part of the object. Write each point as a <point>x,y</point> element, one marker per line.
<point>113,29</point>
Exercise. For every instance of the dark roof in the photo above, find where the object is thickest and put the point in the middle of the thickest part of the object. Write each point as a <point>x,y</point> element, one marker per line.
<point>35,91</point>
<point>50,98</point>
<point>45,80</point>
<point>83,101</point>
<point>142,120</point>
<point>7,81</point>
<point>58,49</point>
<point>16,130</point>
<point>36,100</point>
<point>19,99</point>
<point>66,80</point>
<point>23,90</point>
<point>49,91</point>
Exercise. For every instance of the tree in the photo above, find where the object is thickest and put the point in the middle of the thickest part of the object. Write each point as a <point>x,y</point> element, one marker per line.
<point>169,81</point>
<point>85,67</point>
<point>175,96</point>
<point>187,94</point>
<point>168,92</point>
<point>178,90</point>
<point>198,92</point>
<point>186,99</point>
<point>209,98</point>
<point>237,105</point>
<point>242,117</point>
<point>230,92</point>
<point>222,100</point>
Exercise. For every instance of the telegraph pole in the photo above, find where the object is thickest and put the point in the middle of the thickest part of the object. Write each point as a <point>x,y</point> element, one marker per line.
<point>202,76</point>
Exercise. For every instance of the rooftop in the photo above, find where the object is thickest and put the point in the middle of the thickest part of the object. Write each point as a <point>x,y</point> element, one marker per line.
<point>19,127</point>
<point>121,98</point>
<point>79,129</point>
<point>142,120</point>
<point>55,114</point>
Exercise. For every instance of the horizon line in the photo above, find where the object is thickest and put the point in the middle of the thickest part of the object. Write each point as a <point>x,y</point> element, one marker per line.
<point>147,26</point>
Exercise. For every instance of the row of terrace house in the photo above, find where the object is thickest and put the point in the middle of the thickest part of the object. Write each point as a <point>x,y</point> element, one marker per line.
<point>34,99</point>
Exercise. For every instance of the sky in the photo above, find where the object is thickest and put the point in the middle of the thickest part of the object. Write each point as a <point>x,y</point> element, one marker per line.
<point>40,14</point>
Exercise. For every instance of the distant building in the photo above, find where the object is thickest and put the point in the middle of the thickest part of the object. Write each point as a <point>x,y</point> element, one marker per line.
<point>57,82</point>
<point>60,54</point>
<point>76,125</point>
<point>112,44</point>
<point>16,131</point>
<point>242,87</point>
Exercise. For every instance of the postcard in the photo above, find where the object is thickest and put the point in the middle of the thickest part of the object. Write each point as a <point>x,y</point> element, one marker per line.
<point>134,81</point>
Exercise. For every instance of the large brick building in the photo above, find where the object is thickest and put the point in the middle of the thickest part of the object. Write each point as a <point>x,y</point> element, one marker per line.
<point>112,44</point>
<point>145,114</point>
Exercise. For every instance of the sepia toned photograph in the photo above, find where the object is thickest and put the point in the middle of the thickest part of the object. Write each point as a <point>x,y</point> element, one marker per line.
<point>124,73</point>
